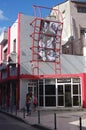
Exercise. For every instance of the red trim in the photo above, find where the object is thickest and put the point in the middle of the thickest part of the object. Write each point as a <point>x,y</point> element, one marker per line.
<point>1,60</point>
<point>8,95</point>
<point>28,77</point>
<point>8,40</point>
<point>84,90</point>
<point>18,52</point>
<point>9,79</point>
<point>50,76</point>
<point>60,76</point>
<point>0,53</point>
<point>8,51</point>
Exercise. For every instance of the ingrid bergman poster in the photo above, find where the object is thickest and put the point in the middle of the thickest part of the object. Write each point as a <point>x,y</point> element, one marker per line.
<point>47,41</point>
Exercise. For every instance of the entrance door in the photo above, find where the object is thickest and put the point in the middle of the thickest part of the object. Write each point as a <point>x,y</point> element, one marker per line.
<point>60,92</point>
<point>68,101</point>
<point>32,88</point>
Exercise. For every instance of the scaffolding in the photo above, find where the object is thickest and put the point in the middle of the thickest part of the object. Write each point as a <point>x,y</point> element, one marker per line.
<point>46,38</point>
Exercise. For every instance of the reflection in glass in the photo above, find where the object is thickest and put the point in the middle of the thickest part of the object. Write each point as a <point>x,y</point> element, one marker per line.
<point>75,101</point>
<point>50,101</point>
<point>40,100</point>
<point>50,90</point>
<point>60,100</point>
<point>75,89</point>
<point>60,89</point>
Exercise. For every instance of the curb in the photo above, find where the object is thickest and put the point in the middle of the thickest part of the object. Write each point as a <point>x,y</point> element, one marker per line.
<point>39,126</point>
<point>14,116</point>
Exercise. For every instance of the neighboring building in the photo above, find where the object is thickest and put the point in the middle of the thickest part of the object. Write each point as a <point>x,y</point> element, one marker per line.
<point>31,59</point>
<point>74,29</point>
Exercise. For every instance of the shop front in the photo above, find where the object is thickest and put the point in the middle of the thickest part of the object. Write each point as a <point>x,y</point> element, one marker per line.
<point>60,92</point>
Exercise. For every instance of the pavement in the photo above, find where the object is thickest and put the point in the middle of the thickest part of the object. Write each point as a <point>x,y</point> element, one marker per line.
<point>47,119</point>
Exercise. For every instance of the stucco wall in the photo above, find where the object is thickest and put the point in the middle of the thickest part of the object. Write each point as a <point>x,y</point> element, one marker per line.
<point>69,63</point>
<point>72,64</point>
<point>25,44</point>
<point>14,35</point>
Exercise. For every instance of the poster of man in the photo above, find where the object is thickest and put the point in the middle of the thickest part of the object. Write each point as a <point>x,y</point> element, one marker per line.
<point>47,42</point>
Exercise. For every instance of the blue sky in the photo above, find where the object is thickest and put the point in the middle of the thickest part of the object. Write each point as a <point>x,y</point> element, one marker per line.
<point>9,9</point>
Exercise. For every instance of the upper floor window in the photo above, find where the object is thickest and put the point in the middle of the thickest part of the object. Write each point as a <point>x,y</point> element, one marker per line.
<point>14,45</point>
<point>5,55</point>
<point>81,9</point>
<point>83,31</point>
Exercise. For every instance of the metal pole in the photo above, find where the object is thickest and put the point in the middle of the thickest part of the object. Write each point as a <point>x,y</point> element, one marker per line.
<point>80,121</point>
<point>55,121</point>
<point>38,116</point>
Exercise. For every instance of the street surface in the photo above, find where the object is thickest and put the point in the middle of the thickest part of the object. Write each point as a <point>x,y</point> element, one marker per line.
<point>9,123</point>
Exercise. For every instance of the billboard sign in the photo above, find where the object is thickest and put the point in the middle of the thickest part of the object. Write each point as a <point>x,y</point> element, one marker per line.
<point>47,40</point>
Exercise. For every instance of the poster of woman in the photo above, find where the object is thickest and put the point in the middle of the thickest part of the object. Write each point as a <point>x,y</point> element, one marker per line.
<point>47,42</point>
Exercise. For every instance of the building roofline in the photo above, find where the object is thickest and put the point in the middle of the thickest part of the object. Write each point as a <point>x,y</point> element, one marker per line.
<point>78,1</point>
<point>74,1</point>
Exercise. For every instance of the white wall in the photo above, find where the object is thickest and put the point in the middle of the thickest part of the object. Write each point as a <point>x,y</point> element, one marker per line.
<point>23,91</point>
<point>25,44</point>
<point>14,35</point>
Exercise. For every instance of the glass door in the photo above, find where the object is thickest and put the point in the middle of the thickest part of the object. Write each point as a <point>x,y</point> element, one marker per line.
<point>60,92</point>
<point>76,95</point>
<point>68,99</point>
<point>32,90</point>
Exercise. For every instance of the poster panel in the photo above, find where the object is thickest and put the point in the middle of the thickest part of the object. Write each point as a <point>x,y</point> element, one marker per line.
<point>47,41</point>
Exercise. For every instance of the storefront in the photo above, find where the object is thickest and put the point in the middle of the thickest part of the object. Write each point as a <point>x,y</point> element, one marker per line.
<point>61,92</point>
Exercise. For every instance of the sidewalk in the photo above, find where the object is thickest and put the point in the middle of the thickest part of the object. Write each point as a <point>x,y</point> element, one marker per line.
<point>53,119</point>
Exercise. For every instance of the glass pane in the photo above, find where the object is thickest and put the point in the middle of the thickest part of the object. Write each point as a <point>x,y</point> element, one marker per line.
<point>79,100</point>
<point>41,90</point>
<point>68,102</point>
<point>30,89</point>
<point>60,89</point>
<point>49,89</point>
<point>40,100</point>
<point>79,89</point>
<point>50,101</point>
<point>35,91</point>
<point>75,89</point>
<point>60,101</point>
<point>49,81</point>
<point>75,101</point>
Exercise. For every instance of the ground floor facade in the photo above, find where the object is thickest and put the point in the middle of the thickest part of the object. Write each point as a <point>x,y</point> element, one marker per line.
<point>63,91</point>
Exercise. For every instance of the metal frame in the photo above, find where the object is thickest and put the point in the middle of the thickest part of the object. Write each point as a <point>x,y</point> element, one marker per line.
<point>36,24</point>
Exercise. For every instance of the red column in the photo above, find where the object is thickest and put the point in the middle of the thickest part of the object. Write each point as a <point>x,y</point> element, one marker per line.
<point>84,90</point>
<point>0,96</point>
<point>8,95</point>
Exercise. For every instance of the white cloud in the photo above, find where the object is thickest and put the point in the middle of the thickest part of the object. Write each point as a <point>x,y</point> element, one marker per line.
<point>2,17</point>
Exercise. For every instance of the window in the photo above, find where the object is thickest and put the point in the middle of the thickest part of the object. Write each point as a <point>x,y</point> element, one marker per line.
<point>50,90</point>
<point>81,9</point>
<point>14,45</point>
<point>83,31</point>
<point>5,55</point>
